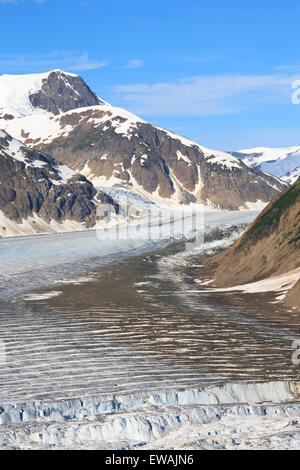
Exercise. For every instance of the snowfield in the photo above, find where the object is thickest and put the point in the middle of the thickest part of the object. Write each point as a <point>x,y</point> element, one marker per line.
<point>281,162</point>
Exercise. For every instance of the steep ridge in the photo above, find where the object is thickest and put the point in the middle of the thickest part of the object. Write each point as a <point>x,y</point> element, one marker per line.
<point>269,248</point>
<point>113,147</point>
<point>39,194</point>
<point>281,162</point>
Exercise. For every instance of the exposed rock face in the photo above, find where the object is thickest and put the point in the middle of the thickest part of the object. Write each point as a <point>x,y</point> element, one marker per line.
<point>152,160</point>
<point>34,184</point>
<point>115,148</point>
<point>271,246</point>
<point>60,93</point>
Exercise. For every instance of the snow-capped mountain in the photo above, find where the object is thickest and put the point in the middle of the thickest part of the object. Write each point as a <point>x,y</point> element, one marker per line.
<point>39,194</point>
<point>292,176</point>
<point>54,92</point>
<point>57,113</point>
<point>281,162</point>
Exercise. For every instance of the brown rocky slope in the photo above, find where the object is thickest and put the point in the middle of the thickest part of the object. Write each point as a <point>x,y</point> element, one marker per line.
<point>270,246</point>
<point>39,190</point>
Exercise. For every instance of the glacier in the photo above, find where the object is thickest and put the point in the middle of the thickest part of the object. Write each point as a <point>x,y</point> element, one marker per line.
<point>65,255</point>
<point>46,401</point>
<point>227,416</point>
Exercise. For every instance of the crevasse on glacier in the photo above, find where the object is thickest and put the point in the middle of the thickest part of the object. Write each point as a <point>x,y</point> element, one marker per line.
<point>148,418</point>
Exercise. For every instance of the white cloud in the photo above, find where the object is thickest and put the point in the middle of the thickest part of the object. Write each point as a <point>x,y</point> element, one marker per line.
<point>65,60</point>
<point>205,95</point>
<point>134,64</point>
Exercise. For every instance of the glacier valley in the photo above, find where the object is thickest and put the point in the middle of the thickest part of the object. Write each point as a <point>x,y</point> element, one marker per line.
<point>112,345</point>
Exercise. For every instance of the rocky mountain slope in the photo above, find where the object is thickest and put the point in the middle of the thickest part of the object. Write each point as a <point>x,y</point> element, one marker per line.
<point>39,194</point>
<point>57,113</point>
<point>281,162</point>
<point>269,248</point>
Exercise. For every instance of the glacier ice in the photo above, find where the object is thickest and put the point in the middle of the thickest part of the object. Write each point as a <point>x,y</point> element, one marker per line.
<point>186,418</point>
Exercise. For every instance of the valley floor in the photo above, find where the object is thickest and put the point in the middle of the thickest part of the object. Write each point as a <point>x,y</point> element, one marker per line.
<point>111,345</point>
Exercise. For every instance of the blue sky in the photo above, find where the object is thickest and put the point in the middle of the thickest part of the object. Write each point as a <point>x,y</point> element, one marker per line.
<point>218,72</point>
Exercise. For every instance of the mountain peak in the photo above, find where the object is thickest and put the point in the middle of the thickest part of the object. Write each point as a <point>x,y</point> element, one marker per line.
<point>62,72</point>
<point>38,75</point>
<point>55,92</point>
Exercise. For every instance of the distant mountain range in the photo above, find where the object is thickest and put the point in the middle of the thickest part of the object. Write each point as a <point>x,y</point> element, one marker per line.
<point>57,113</point>
<point>281,162</point>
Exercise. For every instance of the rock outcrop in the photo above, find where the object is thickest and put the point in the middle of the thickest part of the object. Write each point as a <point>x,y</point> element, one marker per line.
<point>60,93</point>
<point>37,189</point>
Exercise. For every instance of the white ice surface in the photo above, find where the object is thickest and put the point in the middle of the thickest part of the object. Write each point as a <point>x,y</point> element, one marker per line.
<point>51,249</point>
<point>232,416</point>
<point>282,162</point>
<point>291,176</point>
<point>22,255</point>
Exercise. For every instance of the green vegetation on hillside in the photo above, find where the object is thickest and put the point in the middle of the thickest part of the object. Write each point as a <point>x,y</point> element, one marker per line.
<point>268,222</point>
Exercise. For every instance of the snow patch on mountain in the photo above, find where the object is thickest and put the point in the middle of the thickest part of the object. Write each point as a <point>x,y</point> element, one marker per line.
<point>254,206</point>
<point>213,156</point>
<point>281,283</point>
<point>18,151</point>
<point>183,157</point>
<point>14,148</point>
<point>34,225</point>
